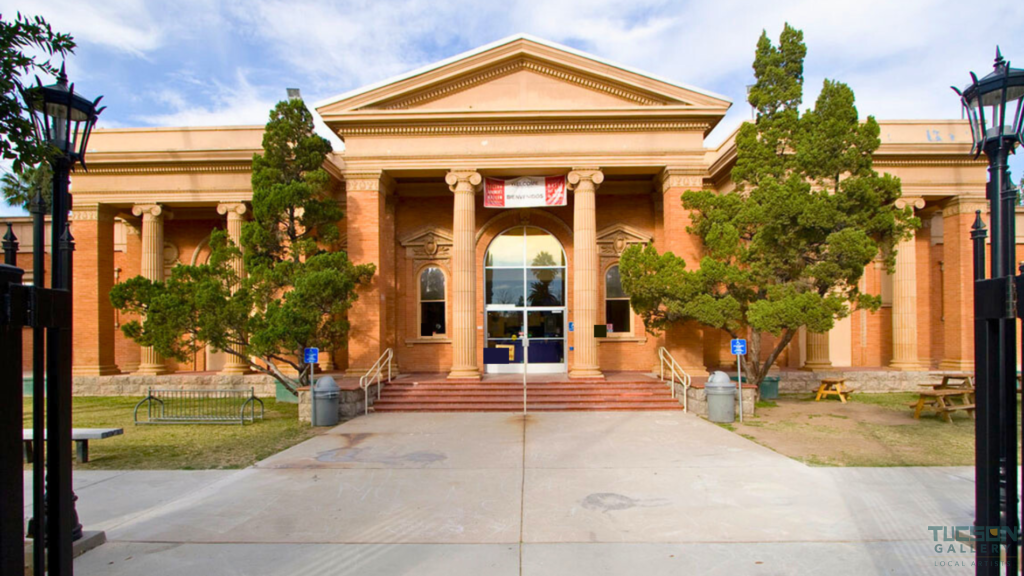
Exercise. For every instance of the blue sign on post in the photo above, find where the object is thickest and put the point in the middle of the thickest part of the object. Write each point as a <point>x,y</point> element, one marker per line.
<point>739,346</point>
<point>312,355</point>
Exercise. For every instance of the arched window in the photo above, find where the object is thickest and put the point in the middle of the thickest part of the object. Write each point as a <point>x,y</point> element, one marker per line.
<point>432,302</point>
<point>616,303</point>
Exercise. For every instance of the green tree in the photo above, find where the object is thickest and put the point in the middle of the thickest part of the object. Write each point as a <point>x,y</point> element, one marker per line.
<point>788,246</point>
<point>26,46</point>
<point>297,290</point>
<point>20,189</point>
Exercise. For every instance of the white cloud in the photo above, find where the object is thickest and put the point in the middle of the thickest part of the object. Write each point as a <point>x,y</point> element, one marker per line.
<point>124,25</point>
<point>224,104</point>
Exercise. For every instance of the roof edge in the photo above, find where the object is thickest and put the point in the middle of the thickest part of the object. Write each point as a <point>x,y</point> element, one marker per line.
<point>508,40</point>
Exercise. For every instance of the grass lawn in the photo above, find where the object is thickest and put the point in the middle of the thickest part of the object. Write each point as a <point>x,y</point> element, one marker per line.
<point>870,430</point>
<point>180,446</point>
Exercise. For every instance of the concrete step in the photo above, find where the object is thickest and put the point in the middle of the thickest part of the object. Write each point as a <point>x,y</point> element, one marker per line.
<point>540,392</point>
<point>507,396</point>
<point>500,399</point>
<point>518,386</point>
<point>517,407</point>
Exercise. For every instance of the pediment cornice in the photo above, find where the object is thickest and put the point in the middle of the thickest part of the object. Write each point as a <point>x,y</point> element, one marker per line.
<point>628,94</point>
<point>369,111</point>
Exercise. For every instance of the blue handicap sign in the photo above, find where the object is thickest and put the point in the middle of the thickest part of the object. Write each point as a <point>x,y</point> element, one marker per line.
<point>312,355</point>
<point>572,326</point>
<point>739,346</point>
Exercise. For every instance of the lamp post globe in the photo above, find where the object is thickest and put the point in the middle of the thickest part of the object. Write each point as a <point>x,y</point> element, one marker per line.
<point>63,120</point>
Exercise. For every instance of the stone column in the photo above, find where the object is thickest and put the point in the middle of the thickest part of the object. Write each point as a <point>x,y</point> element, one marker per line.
<point>958,281</point>
<point>685,341</point>
<point>904,299</point>
<point>93,229</point>
<point>464,184</point>
<point>817,351</point>
<point>153,268</point>
<point>235,212</point>
<point>129,355</point>
<point>584,183</point>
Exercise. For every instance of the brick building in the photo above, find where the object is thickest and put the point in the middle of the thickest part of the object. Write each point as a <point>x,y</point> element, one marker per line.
<point>456,277</point>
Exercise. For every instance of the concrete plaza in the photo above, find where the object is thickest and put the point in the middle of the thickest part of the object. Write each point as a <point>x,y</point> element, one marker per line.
<point>549,494</point>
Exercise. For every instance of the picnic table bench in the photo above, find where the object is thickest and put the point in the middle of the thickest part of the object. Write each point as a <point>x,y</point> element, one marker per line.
<point>81,436</point>
<point>833,387</point>
<point>941,400</point>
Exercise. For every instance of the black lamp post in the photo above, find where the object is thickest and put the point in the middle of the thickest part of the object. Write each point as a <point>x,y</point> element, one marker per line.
<point>63,121</point>
<point>994,105</point>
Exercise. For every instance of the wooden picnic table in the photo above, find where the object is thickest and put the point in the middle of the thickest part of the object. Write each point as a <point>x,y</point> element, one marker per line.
<point>833,386</point>
<point>953,381</point>
<point>941,399</point>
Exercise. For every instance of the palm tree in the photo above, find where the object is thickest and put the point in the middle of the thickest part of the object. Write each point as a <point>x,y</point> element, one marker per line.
<point>19,189</point>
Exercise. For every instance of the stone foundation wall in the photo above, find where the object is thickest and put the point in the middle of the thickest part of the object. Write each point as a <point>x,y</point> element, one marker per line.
<point>350,403</point>
<point>697,401</point>
<point>794,381</point>
<point>132,385</point>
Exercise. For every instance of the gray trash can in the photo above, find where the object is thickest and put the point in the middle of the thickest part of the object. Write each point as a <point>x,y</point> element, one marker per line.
<point>721,392</point>
<point>326,393</point>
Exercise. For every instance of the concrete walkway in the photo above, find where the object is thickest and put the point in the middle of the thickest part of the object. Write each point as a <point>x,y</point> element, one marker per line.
<point>552,494</point>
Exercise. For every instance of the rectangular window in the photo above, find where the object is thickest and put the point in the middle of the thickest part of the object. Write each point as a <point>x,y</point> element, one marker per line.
<point>616,313</point>
<point>431,319</point>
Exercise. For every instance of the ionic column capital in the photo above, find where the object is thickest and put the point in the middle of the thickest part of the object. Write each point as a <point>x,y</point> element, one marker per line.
<point>233,210</point>
<point>585,178</point>
<point>912,201</point>
<point>151,211</point>
<point>463,181</point>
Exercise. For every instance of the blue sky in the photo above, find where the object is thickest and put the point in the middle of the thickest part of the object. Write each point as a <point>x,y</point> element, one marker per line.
<point>211,62</point>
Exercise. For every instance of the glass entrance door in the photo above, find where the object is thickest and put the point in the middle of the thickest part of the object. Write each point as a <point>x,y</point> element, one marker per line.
<point>524,299</point>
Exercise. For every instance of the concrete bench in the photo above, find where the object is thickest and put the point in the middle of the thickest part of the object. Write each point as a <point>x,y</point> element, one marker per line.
<point>81,436</point>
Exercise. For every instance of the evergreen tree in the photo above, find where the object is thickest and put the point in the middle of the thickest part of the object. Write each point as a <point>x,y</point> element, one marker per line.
<point>787,248</point>
<point>297,290</point>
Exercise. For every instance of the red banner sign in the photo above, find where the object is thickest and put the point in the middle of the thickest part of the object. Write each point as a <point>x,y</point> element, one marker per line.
<point>524,192</point>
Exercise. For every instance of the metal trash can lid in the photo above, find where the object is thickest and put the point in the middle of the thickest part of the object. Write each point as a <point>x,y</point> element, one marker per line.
<point>326,385</point>
<point>719,379</point>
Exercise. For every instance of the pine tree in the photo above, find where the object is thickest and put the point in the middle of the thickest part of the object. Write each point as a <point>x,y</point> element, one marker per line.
<point>787,248</point>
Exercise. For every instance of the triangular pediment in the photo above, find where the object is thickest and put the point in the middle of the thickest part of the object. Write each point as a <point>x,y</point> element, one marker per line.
<point>519,74</point>
<point>612,240</point>
<point>523,84</point>
<point>428,243</point>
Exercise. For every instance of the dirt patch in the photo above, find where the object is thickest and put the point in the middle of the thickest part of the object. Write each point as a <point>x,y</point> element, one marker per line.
<point>870,430</point>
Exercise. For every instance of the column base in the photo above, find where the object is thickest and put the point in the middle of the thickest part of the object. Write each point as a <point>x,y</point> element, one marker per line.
<point>586,373</point>
<point>464,373</point>
<point>815,366</point>
<point>957,365</point>
<point>151,370</point>
<point>235,370</point>
<point>907,366</point>
<point>105,370</point>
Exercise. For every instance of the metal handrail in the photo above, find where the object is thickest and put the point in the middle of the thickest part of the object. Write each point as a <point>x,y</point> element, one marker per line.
<point>375,372</point>
<point>675,372</point>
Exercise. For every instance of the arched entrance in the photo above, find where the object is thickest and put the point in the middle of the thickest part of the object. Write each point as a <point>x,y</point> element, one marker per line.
<point>524,297</point>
